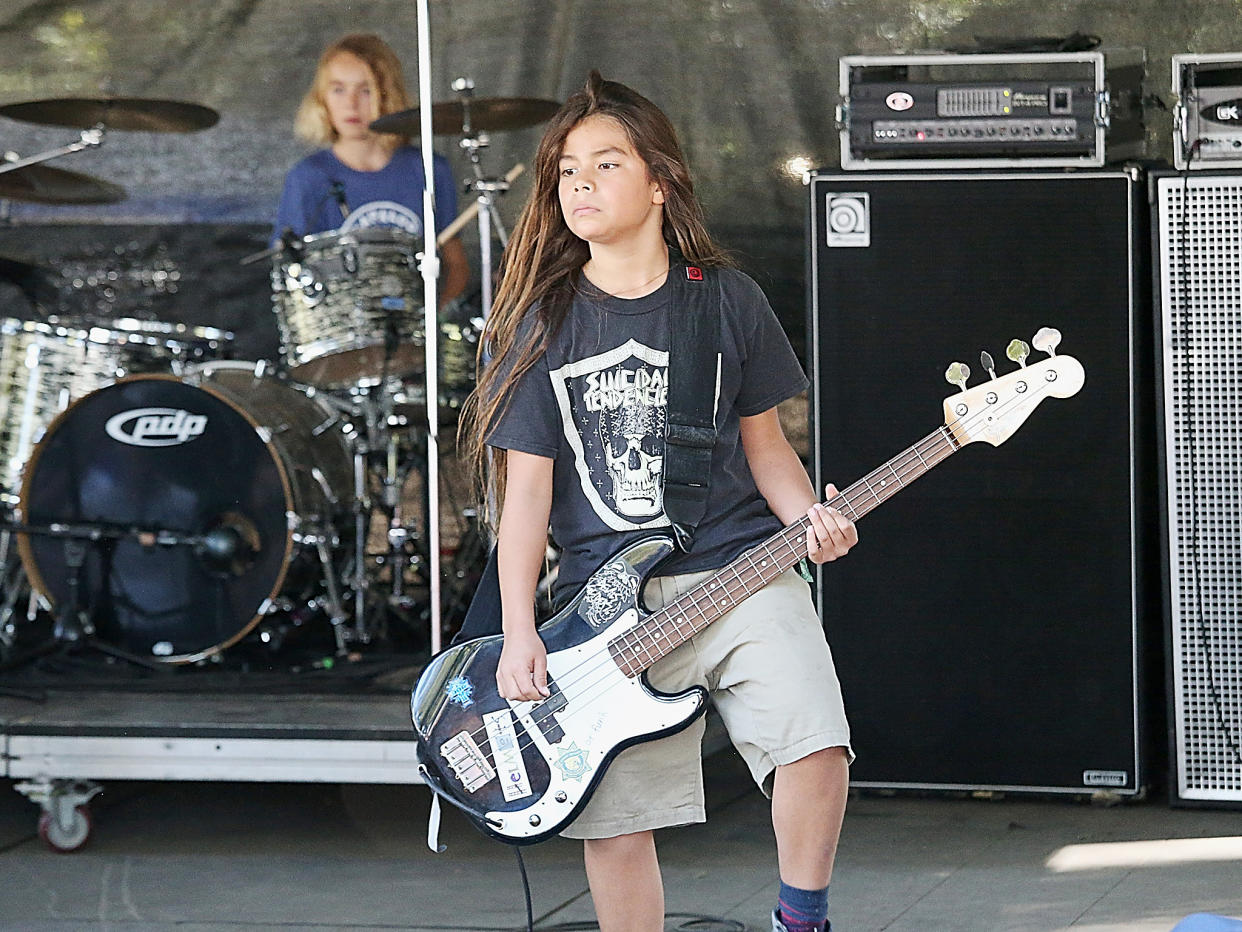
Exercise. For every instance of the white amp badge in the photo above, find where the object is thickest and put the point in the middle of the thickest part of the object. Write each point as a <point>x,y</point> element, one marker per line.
<point>849,218</point>
<point>155,427</point>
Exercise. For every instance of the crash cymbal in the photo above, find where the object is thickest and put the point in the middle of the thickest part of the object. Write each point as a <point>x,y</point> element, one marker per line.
<point>486,113</point>
<point>43,184</point>
<point>125,113</point>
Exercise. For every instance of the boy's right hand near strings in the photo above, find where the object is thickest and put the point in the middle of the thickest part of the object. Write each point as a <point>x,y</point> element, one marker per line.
<point>522,672</point>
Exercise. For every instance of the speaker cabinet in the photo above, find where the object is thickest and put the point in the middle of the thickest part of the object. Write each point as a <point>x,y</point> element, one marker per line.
<point>986,628</point>
<point>1197,233</point>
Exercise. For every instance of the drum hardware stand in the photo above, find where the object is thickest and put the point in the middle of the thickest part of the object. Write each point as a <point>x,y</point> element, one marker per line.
<point>88,139</point>
<point>336,608</point>
<point>362,515</point>
<point>11,588</point>
<point>484,188</point>
<point>337,617</point>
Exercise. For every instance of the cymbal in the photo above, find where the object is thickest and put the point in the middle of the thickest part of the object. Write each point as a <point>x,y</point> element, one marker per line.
<point>486,113</point>
<point>43,184</point>
<point>125,113</point>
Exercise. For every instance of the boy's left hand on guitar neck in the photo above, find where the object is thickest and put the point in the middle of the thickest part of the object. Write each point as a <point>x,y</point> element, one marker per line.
<point>830,534</point>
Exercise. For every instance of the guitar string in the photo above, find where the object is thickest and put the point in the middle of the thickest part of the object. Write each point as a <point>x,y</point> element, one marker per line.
<point>693,599</point>
<point>540,711</point>
<point>783,539</point>
<point>903,460</point>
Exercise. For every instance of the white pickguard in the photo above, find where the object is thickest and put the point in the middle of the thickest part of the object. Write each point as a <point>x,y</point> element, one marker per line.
<point>604,708</point>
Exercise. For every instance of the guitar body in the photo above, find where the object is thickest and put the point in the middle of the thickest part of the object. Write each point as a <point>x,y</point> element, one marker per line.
<point>523,771</point>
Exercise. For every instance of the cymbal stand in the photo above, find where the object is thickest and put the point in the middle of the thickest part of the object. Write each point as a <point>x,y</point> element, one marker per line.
<point>88,139</point>
<point>484,189</point>
<point>12,583</point>
<point>363,443</point>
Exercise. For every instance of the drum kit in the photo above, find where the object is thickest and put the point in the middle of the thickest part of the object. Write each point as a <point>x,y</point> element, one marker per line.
<point>160,502</point>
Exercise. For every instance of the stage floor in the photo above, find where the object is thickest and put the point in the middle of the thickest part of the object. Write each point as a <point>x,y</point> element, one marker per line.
<point>216,856</point>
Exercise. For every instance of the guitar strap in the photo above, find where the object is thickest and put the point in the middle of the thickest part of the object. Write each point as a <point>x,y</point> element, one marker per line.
<point>693,383</point>
<point>694,367</point>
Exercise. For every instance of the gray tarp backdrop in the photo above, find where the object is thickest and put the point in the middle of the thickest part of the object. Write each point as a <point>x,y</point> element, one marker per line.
<point>751,85</point>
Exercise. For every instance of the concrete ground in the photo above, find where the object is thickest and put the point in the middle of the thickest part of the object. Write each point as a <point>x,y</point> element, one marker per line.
<point>209,857</point>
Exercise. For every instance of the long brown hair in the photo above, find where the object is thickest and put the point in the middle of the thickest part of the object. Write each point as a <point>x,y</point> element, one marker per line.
<point>540,267</point>
<point>387,88</point>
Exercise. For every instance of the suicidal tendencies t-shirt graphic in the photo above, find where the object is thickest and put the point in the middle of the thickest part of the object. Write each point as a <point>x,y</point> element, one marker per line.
<point>613,408</point>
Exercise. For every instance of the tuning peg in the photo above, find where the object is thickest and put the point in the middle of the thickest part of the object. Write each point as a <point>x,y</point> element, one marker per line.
<point>957,374</point>
<point>985,360</point>
<point>1047,340</point>
<point>1017,351</point>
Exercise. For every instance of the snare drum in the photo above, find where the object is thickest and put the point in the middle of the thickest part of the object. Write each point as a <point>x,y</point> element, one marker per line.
<point>46,365</point>
<point>225,447</point>
<point>349,306</point>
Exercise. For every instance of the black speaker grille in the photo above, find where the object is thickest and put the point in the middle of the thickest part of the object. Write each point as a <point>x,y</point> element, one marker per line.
<point>985,627</point>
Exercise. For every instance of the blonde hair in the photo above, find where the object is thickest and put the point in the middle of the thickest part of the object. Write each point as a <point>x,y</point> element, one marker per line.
<point>540,267</point>
<point>312,122</point>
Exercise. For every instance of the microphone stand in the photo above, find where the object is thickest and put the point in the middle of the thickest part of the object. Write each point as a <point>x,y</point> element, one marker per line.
<point>72,624</point>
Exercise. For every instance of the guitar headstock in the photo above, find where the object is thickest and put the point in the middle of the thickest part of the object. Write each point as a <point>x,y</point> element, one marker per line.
<point>994,410</point>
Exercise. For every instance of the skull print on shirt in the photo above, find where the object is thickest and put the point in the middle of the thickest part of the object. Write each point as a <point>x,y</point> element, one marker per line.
<point>614,410</point>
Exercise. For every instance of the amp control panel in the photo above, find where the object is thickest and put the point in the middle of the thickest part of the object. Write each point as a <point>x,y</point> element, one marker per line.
<point>1054,109</point>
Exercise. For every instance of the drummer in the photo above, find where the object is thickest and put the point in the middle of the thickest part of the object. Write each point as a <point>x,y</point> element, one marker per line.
<point>363,178</point>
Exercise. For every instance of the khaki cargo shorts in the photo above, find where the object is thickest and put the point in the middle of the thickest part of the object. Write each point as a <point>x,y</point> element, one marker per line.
<point>772,679</point>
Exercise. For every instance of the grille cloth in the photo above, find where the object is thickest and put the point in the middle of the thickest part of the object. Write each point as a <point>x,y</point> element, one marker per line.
<point>1200,255</point>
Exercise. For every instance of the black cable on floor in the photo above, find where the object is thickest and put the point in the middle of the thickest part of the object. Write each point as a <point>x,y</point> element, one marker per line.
<point>530,912</point>
<point>694,922</point>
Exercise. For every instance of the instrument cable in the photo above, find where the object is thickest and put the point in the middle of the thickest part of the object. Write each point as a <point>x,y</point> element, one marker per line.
<point>691,922</point>
<point>694,922</point>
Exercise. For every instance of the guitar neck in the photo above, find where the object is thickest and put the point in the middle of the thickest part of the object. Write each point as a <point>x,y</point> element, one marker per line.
<point>638,648</point>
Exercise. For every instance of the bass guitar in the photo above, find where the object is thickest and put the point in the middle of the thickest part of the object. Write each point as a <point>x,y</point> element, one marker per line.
<point>523,770</point>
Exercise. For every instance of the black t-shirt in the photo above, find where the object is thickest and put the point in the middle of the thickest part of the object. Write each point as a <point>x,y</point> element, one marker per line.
<point>596,403</point>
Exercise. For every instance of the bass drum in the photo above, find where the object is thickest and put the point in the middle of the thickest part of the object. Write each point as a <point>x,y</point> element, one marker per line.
<point>244,470</point>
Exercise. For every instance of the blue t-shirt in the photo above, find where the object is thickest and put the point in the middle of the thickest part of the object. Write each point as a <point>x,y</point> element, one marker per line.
<point>390,197</point>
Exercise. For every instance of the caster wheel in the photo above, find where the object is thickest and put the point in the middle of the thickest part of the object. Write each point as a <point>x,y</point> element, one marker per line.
<point>62,839</point>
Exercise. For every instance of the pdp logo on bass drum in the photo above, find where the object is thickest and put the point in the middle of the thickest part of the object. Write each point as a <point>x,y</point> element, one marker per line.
<point>155,427</point>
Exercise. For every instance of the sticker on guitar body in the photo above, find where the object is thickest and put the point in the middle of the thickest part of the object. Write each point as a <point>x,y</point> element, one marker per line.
<point>514,782</point>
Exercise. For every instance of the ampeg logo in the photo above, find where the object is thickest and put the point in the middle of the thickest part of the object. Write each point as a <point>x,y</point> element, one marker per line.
<point>155,427</point>
<point>899,101</point>
<point>849,219</point>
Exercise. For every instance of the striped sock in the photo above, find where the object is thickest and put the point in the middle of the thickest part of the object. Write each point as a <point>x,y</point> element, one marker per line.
<point>803,910</point>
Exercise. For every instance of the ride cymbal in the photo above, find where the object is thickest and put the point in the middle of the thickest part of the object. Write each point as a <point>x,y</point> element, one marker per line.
<point>448,118</point>
<point>124,113</point>
<point>43,184</point>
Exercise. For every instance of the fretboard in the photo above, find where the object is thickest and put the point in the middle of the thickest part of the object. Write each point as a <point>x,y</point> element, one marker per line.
<point>674,624</point>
